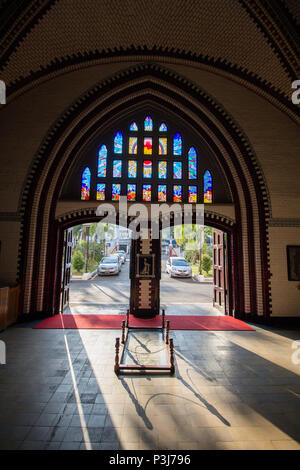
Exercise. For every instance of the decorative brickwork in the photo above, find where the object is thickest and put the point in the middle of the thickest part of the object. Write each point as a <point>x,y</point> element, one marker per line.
<point>73,130</point>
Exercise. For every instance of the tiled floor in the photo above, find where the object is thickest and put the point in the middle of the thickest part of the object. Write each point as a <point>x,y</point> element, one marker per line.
<point>232,390</point>
<point>175,308</point>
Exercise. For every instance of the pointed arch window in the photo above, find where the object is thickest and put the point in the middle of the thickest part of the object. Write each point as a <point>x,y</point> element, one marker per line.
<point>177,144</point>
<point>85,184</point>
<point>192,163</point>
<point>148,124</point>
<point>133,127</point>
<point>163,127</point>
<point>102,161</point>
<point>207,187</point>
<point>118,142</point>
<point>147,161</point>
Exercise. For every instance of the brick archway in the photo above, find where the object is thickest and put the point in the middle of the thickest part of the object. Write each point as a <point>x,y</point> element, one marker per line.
<point>70,133</point>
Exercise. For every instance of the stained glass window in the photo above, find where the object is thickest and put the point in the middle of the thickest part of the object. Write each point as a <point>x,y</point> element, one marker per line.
<point>162,146</point>
<point>133,127</point>
<point>132,167</point>
<point>101,192</point>
<point>132,145</point>
<point>177,144</point>
<point>192,159</point>
<point>146,192</point>
<point>148,145</point>
<point>162,192</point>
<point>131,192</point>
<point>163,127</point>
<point>207,186</point>
<point>177,170</point>
<point>118,142</point>
<point>102,159</point>
<point>147,170</point>
<point>162,170</point>
<point>148,124</point>
<point>192,193</point>
<point>177,193</point>
<point>85,184</point>
<point>117,168</point>
<point>115,192</point>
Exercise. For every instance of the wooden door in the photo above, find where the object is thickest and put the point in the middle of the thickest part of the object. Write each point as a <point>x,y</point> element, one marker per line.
<point>66,272</point>
<point>219,268</point>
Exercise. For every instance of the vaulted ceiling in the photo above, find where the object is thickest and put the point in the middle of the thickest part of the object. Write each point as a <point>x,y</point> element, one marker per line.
<point>254,42</point>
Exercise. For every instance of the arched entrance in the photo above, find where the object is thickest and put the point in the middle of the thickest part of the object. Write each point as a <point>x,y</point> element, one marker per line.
<point>45,216</point>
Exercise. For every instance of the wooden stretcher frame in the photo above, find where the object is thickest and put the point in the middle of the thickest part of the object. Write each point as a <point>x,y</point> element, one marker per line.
<point>120,368</point>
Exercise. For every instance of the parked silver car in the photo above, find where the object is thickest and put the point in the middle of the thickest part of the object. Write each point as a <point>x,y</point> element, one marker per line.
<point>123,255</point>
<point>116,255</point>
<point>178,267</point>
<point>109,265</point>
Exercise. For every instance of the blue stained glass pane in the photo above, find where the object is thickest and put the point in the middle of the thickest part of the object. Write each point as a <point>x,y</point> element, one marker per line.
<point>118,142</point>
<point>133,127</point>
<point>192,159</point>
<point>102,159</point>
<point>85,184</point>
<point>177,193</point>
<point>101,192</point>
<point>115,192</point>
<point>132,166</point>
<point>117,168</point>
<point>162,192</point>
<point>148,124</point>
<point>207,187</point>
<point>177,144</point>
<point>177,170</point>
<point>163,127</point>
<point>192,193</point>
<point>162,170</point>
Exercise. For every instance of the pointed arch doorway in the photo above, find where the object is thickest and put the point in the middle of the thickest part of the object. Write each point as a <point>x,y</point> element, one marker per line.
<point>49,204</point>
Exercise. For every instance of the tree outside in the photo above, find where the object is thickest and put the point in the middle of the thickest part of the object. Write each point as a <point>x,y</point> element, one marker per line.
<point>188,238</point>
<point>78,263</point>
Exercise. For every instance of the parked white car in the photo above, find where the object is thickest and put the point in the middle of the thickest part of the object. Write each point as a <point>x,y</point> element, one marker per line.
<point>178,267</point>
<point>119,258</point>
<point>122,254</point>
<point>109,265</point>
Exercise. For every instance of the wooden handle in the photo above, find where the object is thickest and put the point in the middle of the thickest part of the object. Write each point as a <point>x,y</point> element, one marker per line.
<point>123,331</point>
<point>172,362</point>
<point>168,329</point>
<point>117,366</point>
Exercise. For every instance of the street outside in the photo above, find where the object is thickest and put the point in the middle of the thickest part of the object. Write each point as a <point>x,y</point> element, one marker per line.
<point>110,294</point>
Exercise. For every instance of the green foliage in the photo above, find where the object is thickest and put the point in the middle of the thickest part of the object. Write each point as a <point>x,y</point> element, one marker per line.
<point>96,251</point>
<point>206,263</point>
<point>78,261</point>
<point>192,257</point>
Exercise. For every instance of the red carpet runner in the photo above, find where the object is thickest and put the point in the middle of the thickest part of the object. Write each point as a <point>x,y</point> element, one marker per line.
<point>113,322</point>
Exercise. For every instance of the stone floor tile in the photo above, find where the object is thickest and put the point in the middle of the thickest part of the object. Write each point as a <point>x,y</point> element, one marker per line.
<point>286,445</point>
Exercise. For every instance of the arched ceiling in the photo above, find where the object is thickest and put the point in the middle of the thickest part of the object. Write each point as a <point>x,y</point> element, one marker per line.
<point>255,41</point>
